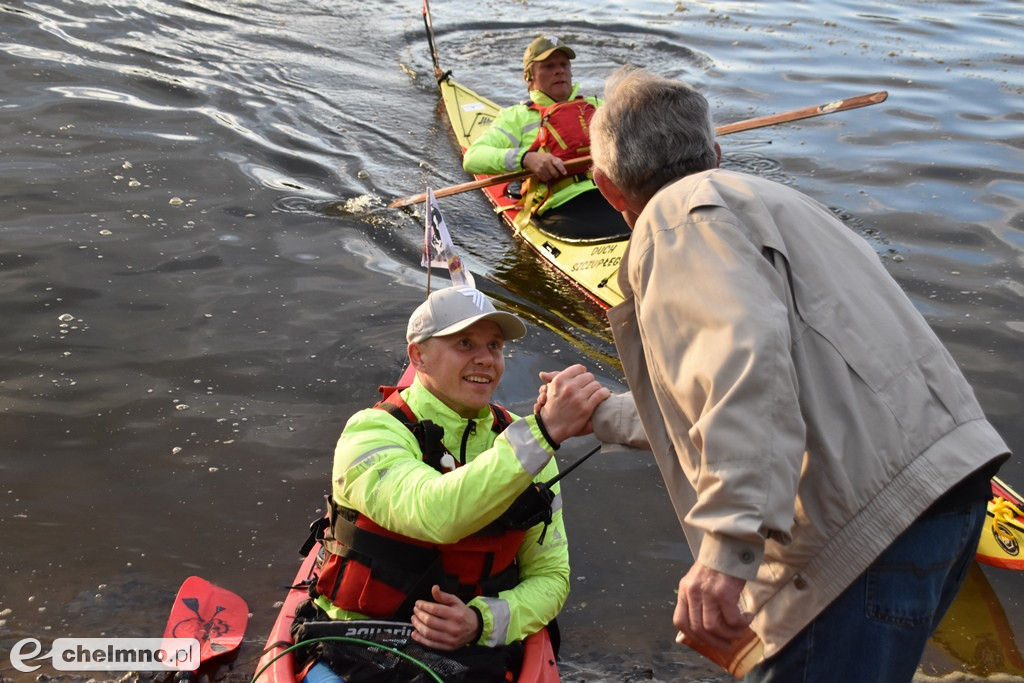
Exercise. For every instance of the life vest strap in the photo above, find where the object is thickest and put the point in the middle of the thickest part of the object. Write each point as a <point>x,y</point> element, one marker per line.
<point>350,540</point>
<point>429,435</point>
<point>409,568</point>
<point>504,580</point>
<point>568,180</point>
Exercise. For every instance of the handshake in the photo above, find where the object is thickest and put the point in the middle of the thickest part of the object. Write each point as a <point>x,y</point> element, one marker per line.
<point>566,402</point>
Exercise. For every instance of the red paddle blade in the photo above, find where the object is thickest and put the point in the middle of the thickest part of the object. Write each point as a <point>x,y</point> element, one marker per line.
<point>214,616</point>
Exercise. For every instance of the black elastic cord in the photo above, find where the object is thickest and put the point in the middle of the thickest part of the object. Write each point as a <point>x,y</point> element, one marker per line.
<point>480,624</point>
<point>544,432</point>
<point>573,466</point>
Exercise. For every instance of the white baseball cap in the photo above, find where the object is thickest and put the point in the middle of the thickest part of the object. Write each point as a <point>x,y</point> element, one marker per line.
<point>452,309</point>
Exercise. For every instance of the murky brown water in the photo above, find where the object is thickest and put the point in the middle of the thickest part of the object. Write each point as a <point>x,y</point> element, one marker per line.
<point>200,284</point>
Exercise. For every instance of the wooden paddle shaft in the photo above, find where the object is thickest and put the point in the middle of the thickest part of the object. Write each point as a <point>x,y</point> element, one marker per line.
<point>582,163</point>
<point>806,113</point>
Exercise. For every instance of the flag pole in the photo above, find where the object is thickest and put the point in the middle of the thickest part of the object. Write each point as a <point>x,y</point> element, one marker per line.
<point>426,243</point>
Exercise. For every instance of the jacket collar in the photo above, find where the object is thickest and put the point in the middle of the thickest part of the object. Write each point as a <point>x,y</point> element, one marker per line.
<point>426,406</point>
<point>542,100</point>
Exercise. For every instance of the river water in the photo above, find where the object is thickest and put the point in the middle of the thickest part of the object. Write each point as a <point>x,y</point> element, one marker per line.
<point>199,281</point>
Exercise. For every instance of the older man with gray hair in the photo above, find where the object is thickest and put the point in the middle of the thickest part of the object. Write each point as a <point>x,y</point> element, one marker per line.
<point>826,458</point>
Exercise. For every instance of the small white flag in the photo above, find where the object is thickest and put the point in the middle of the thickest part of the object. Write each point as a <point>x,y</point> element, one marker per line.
<point>438,249</point>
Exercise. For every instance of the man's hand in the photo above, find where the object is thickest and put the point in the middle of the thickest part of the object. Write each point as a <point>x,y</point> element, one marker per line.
<point>545,166</point>
<point>708,609</point>
<point>566,401</point>
<point>446,624</point>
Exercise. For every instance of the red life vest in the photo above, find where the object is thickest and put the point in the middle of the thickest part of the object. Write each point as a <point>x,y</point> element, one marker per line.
<point>564,128</point>
<point>565,132</point>
<point>380,573</point>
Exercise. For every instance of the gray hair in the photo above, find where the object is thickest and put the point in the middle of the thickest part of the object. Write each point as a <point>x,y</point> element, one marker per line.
<point>650,131</point>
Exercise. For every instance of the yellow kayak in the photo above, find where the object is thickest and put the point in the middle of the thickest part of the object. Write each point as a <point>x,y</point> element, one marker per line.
<point>591,264</point>
<point>1003,536</point>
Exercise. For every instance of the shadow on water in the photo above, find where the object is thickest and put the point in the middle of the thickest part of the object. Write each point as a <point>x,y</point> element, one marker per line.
<point>976,633</point>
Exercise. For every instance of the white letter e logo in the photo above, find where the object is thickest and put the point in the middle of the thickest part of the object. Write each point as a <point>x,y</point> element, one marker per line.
<point>18,658</point>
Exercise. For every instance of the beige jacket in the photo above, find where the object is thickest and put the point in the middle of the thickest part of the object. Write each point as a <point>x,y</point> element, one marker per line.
<point>801,410</point>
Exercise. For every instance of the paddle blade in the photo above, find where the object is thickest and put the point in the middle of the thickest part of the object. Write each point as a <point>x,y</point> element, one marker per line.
<point>214,616</point>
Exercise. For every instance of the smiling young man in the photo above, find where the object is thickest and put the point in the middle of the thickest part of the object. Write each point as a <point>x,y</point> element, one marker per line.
<point>540,136</point>
<point>421,482</point>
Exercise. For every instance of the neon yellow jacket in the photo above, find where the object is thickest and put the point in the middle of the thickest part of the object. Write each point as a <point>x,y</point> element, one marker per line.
<point>379,471</point>
<point>502,146</point>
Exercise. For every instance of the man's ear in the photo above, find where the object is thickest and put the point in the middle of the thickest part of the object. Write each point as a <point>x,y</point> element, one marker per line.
<point>415,355</point>
<point>718,154</point>
<point>610,191</point>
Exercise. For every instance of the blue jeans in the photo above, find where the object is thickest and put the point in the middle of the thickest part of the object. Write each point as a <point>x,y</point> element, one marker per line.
<point>877,629</point>
<point>321,672</point>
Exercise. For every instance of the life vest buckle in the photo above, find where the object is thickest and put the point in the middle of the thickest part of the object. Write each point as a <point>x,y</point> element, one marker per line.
<point>316,535</point>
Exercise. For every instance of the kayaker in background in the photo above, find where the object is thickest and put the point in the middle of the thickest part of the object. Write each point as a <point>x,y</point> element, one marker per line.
<point>539,136</point>
<point>422,483</point>
<point>827,460</point>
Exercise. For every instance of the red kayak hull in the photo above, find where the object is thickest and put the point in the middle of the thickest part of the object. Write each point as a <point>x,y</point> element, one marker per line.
<point>276,666</point>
